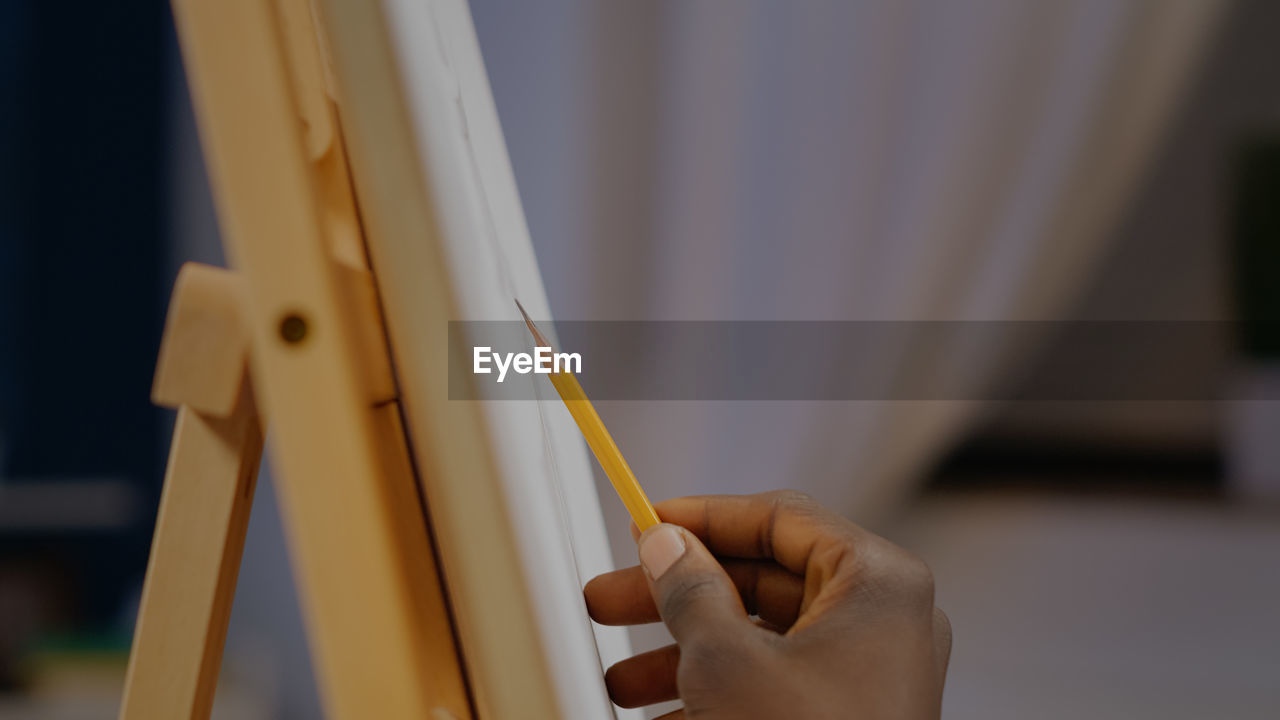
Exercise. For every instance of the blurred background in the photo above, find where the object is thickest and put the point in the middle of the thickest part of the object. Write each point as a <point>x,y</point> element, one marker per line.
<point>986,160</point>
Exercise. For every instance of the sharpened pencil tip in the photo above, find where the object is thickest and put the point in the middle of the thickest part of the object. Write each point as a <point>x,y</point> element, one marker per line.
<point>542,341</point>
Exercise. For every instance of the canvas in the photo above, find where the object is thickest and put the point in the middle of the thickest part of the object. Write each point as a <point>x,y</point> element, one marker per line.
<point>448,242</point>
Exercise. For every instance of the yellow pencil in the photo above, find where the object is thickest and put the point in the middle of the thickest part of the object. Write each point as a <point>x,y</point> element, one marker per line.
<point>599,440</point>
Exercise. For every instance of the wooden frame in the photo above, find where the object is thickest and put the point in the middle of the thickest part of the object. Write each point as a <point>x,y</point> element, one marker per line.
<point>204,510</point>
<point>505,660</point>
<point>382,640</point>
<point>389,636</point>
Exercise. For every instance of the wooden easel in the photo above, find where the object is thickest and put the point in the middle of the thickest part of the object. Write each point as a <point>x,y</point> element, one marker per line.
<point>295,331</point>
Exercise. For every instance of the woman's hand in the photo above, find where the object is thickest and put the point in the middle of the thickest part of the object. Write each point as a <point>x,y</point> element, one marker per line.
<point>846,624</point>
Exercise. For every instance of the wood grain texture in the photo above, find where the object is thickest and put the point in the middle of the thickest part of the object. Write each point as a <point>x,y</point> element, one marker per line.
<point>205,347</point>
<point>204,508</point>
<point>506,664</point>
<point>379,628</point>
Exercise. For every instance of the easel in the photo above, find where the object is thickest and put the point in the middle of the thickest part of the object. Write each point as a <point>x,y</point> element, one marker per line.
<point>296,331</point>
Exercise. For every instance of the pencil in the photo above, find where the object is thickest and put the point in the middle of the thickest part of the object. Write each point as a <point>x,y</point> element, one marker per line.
<point>599,440</point>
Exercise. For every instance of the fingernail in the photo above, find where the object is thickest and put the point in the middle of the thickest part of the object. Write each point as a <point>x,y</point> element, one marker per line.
<point>660,549</point>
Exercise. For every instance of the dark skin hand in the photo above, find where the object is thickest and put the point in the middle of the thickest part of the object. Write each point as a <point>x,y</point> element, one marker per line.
<point>846,623</point>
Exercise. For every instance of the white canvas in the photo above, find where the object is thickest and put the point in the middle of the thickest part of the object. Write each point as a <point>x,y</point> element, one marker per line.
<point>542,458</point>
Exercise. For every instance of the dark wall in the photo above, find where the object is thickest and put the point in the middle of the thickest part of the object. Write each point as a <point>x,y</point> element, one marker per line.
<point>81,300</point>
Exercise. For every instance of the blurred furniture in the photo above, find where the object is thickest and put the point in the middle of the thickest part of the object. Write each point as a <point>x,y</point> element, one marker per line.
<point>1253,412</point>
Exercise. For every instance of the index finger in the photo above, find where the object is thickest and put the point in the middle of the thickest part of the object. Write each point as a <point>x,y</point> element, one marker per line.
<point>786,526</point>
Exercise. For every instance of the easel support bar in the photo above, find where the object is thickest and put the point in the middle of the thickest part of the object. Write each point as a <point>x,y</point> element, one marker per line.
<point>204,508</point>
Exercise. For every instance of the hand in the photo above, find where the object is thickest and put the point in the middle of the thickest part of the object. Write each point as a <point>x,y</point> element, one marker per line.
<point>846,623</point>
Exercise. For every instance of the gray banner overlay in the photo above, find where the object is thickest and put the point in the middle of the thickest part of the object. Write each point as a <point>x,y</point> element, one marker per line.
<point>1073,361</point>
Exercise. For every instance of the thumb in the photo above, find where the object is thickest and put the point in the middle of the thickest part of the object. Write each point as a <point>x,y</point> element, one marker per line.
<point>694,595</point>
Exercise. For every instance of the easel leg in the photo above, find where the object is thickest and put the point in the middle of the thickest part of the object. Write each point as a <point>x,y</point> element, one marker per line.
<point>204,508</point>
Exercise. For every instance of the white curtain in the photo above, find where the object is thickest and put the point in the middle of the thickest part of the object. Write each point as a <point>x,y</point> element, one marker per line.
<point>847,161</point>
<point>746,159</point>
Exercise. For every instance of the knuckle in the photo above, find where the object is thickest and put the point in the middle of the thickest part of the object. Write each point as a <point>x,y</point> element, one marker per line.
<point>942,631</point>
<point>917,576</point>
<point>799,508</point>
<point>900,577</point>
<point>798,505</point>
<point>791,499</point>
